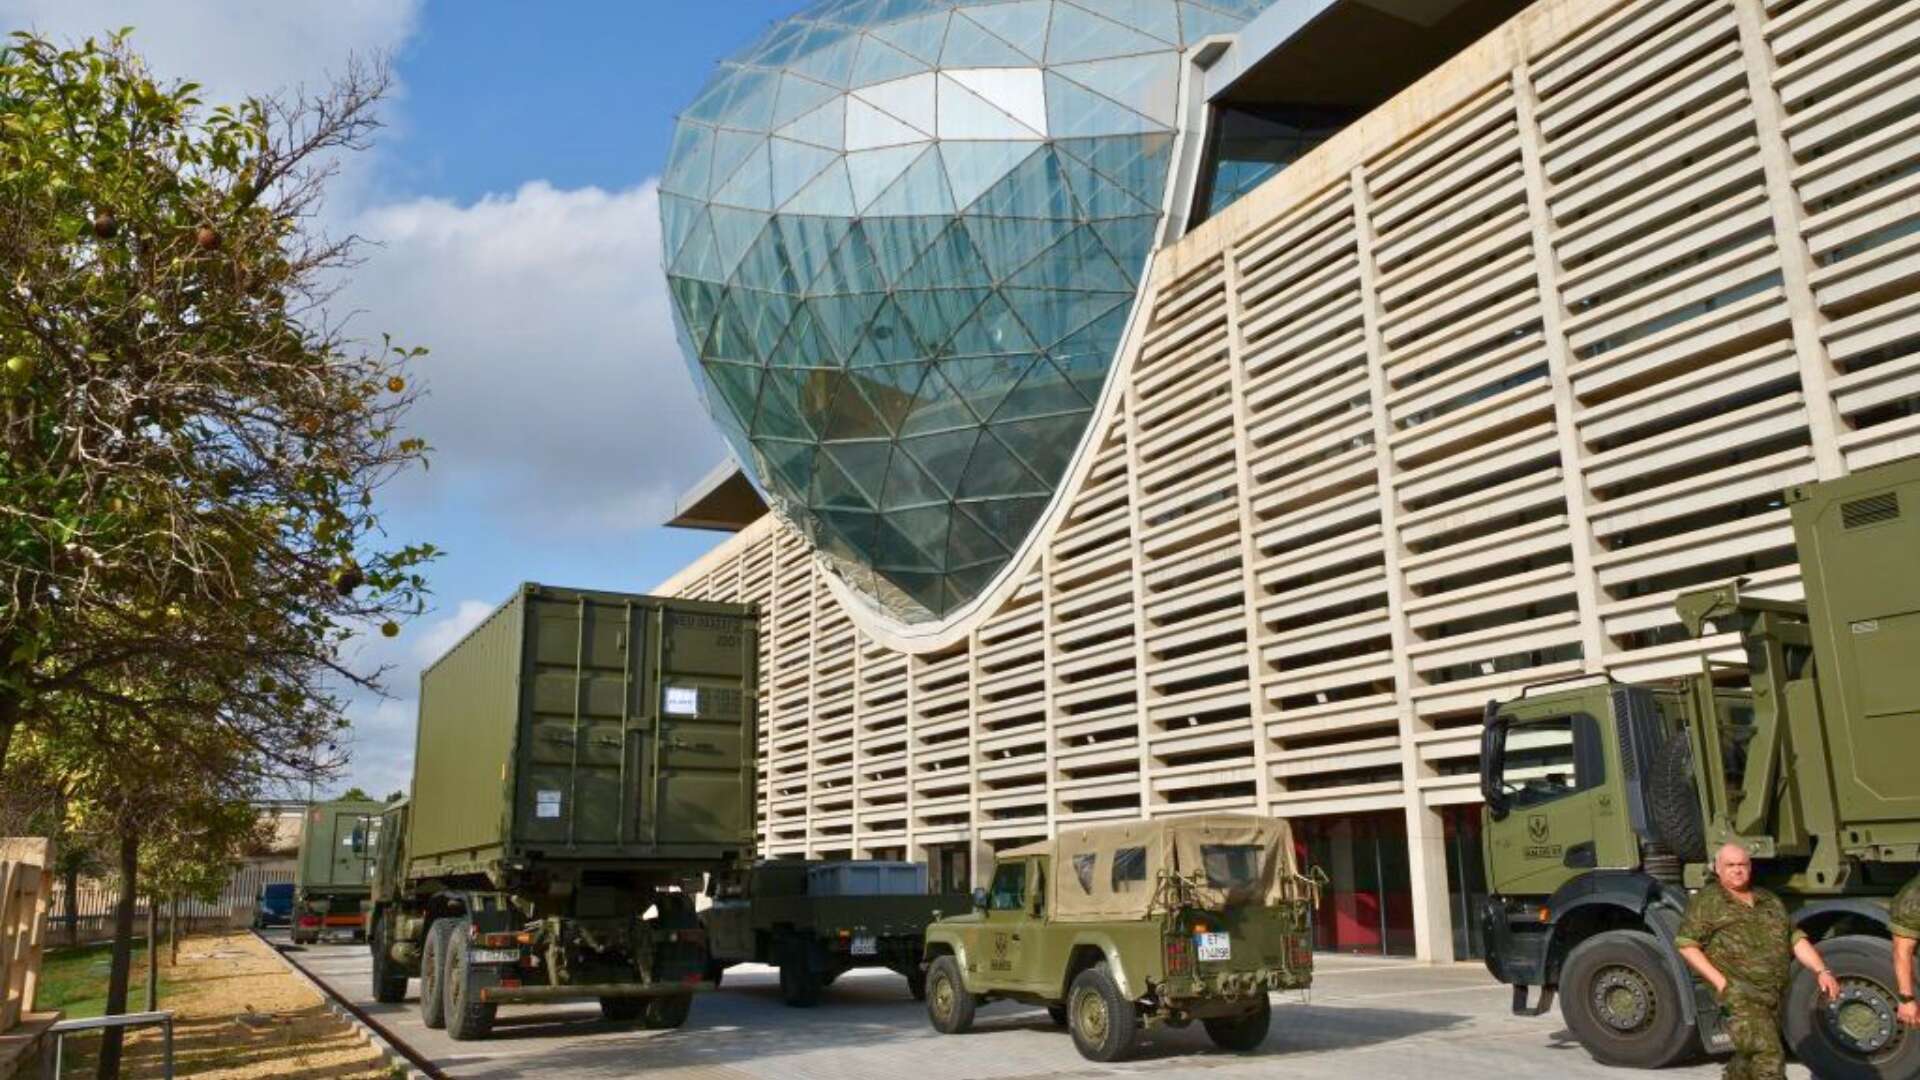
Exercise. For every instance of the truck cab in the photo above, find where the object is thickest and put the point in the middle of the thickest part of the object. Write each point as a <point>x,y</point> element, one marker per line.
<point>1113,928</point>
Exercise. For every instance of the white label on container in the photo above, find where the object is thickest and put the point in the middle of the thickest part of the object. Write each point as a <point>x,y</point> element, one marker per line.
<point>546,804</point>
<point>683,700</point>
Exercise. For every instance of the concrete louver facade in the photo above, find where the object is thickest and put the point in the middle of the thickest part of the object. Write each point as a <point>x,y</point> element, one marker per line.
<point>1456,404</point>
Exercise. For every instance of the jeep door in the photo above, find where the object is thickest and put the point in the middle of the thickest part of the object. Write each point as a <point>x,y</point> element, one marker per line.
<point>1006,939</point>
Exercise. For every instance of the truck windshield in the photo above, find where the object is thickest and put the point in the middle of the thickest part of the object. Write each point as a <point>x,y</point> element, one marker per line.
<point>1552,758</point>
<point>1230,866</point>
<point>1009,887</point>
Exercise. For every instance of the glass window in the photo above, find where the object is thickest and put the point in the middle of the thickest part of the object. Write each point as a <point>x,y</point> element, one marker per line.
<point>1550,759</point>
<point>1230,866</point>
<point>1009,887</point>
<point>1251,144</point>
<point>1129,866</point>
<point>1083,872</point>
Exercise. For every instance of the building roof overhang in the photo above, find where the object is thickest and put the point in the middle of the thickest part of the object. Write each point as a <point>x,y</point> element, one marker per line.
<point>722,501</point>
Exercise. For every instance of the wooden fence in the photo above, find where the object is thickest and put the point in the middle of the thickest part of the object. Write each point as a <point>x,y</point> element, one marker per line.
<point>23,910</point>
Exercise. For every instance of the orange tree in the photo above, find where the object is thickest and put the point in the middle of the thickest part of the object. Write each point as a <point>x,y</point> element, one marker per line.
<point>189,447</point>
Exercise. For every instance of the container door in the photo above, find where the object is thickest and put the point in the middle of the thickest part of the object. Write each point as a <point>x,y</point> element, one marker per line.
<point>352,848</point>
<point>702,767</point>
<point>575,756</point>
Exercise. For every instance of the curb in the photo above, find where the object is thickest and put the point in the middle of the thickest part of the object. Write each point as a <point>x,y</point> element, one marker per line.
<point>402,1061</point>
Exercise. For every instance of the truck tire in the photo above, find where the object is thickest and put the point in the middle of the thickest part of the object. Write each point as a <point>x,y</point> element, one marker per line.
<point>1244,1032</point>
<point>1103,1023</point>
<point>949,1004</point>
<point>622,1010</point>
<point>467,1016</point>
<point>799,983</point>
<point>666,1013</point>
<point>1673,802</point>
<point>1619,998</point>
<point>433,971</point>
<point>389,978</point>
<point>1857,1036</point>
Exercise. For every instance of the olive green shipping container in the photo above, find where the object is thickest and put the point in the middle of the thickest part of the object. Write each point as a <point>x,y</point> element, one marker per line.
<point>338,844</point>
<point>587,727</point>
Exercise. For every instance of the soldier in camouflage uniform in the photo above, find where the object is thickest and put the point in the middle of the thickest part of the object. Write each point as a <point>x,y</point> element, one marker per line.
<point>1906,934</point>
<point>1738,938</point>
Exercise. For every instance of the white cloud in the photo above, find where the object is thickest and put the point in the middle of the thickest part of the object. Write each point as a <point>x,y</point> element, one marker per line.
<point>556,393</point>
<point>445,634</point>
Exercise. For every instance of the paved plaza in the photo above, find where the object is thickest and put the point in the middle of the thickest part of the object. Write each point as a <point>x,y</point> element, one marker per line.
<point>1365,1018</point>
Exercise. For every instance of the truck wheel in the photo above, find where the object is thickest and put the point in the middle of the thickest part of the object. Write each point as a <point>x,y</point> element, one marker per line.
<point>622,1009</point>
<point>949,1005</point>
<point>1858,1035</point>
<point>799,985</point>
<point>433,964</point>
<point>917,983</point>
<point>1244,1032</point>
<point>664,1013</point>
<point>1673,803</point>
<point>467,1016</point>
<point>1620,1001</point>
<point>1104,1024</point>
<point>389,979</point>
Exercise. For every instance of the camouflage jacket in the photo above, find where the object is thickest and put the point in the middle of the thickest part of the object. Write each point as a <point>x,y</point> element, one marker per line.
<point>1906,910</point>
<point>1752,945</point>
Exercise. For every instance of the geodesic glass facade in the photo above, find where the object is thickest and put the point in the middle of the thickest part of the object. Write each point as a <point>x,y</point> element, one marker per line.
<point>903,239</point>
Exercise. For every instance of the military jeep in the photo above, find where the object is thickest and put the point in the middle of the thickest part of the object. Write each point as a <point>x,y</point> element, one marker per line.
<point>1118,927</point>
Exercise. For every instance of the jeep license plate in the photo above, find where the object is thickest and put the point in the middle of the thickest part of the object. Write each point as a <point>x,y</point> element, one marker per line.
<point>493,956</point>
<point>1213,946</point>
<point>864,945</point>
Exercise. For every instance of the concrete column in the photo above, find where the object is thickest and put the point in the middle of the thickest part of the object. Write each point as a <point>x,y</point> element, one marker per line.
<point>1427,884</point>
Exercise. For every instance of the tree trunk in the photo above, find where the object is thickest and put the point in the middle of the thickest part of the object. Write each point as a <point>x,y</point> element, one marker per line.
<point>173,932</point>
<point>153,954</point>
<point>72,878</point>
<point>10,710</point>
<point>119,974</point>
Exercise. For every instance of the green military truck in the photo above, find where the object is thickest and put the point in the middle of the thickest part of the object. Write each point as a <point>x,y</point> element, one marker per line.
<point>1605,801</point>
<point>334,871</point>
<point>817,920</point>
<point>583,760</point>
<point>1113,927</point>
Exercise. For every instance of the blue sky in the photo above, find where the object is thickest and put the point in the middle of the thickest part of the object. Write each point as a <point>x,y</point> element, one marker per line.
<point>517,236</point>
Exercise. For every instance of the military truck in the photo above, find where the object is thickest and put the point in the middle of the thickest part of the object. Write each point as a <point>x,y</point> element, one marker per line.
<point>817,920</point>
<point>1604,801</point>
<point>1113,927</point>
<point>583,760</point>
<point>334,870</point>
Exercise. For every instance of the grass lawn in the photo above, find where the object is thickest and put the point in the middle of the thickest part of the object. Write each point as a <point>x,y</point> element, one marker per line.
<point>74,981</point>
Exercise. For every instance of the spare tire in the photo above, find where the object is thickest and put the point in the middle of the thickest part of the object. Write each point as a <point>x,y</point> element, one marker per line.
<point>1673,801</point>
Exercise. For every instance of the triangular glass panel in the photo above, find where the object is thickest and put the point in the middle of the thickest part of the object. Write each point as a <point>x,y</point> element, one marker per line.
<point>854,417</point>
<point>751,107</point>
<point>1022,24</point>
<point>865,463</point>
<point>723,417</point>
<point>825,126</point>
<point>1129,240</point>
<point>851,532</point>
<point>888,339</point>
<point>699,257</point>
<point>1010,243</point>
<point>1045,444</point>
<point>970,46</point>
<point>914,539</point>
<point>1136,162</point>
<point>730,149</point>
<point>770,313</point>
<point>1078,261</point>
<point>1148,85</point>
<point>950,261</point>
<point>853,267</point>
<point>1155,17</point>
<point>843,318</point>
<point>995,472</point>
<point>798,96</point>
<point>1098,196</point>
<point>1051,315</point>
<point>910,100</point>
<point>803,345</point>
<point>909,485</point>
<point>984,381</point>
<point>1073,111</point>
<point>970,545</point>
<point>751,185</point>
<point>808,242</point>
<point>869,128</point>
<point>1078,34</point>
<point>968,582</point>
<point>1087,356</point>
<point>734,233</point>
<point>1009,517</point>
<point>795,164</point>
<point>776,47</point>
<point>873,171</point>
<point>899,242</point>
<point>1197,22</point>
<point>938,408</point>
<point>766,266</point>
<point>781,415</point>
<point>739,387</point>
<point>888,11</point>
<point>690,164</point>
<point>1034,189</point>
<point>732,337</point>
<point>1019,92</point>
<point>920,191</point>
<point>697,302</point>
<point>992,330</point>
<point>927,590</point>
<point>1043,391</point>
<point>937,313</point>
<point>830,193</point>
<point>711,104</point>
<point>975,166</point>
<point>890,389</point>
<point>921,37</point>
<point>677,218</point>
<point>966,115</point>
<point>879,62</point>
<point>943,455</point>
<point>831,61</point>
<point>791,465</point>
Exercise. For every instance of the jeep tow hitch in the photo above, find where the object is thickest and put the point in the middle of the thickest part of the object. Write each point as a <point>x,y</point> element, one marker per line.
<point>1521,1008</point>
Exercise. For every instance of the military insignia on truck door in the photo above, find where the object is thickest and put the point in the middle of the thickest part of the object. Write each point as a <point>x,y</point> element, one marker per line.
<point>1538,832</point>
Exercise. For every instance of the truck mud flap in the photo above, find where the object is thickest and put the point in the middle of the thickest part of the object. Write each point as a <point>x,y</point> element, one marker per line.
<point>536,995</point>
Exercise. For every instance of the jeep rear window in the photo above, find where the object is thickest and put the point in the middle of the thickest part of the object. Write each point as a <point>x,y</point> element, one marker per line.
<point>1231,866</point>
<point>1083,871</point>
<point>1129,864</point>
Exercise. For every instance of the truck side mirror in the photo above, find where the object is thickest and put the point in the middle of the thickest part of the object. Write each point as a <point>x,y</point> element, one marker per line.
<point>979,899</point>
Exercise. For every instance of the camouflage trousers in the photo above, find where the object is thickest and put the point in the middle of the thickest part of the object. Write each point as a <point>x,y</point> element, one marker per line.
<point>1752,1019</point>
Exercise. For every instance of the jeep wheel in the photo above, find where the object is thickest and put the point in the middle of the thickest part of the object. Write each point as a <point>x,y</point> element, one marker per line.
<point>467,1016</point>
<point>1620,1001</point>
<point>1857,1035</point>
<point>949,1005</point>
<point>433,963</point>
<point>1104,1024</point>
<point>1244,1032</point>
<point>622,1009</point>
<point>389,978</point>
<point>664,1013</point>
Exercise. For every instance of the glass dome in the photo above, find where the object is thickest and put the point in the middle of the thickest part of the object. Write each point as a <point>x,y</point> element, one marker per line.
<point>903,238</point>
